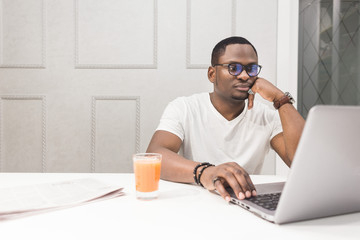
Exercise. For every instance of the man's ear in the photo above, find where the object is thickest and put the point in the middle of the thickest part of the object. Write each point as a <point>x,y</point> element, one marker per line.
<point>211,74</point>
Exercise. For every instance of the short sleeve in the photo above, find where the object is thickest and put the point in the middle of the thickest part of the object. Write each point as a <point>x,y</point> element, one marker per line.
<point>276,124</point>
<point>172,118</point>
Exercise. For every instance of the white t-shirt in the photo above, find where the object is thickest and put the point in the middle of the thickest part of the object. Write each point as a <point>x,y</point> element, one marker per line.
<point>208,137</point>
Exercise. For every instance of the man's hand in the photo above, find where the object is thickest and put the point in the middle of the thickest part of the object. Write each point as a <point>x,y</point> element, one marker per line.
<point>228,174</point>
<point>266,90</point>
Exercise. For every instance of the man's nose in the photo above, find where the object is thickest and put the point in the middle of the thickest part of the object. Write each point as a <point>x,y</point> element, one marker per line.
<point>243,76</point>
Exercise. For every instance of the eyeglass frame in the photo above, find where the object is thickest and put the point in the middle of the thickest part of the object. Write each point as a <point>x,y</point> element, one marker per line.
<point>244,67</point>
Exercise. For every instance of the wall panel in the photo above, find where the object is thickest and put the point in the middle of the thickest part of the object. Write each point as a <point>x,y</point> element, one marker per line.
<point>23,134</point>
<point>115,133</point>
<point>22,33</point>
<point>124,37</point>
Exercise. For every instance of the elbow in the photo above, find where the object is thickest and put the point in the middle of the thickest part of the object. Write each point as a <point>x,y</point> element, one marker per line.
<point>288,162</point>
<point>153,148</point>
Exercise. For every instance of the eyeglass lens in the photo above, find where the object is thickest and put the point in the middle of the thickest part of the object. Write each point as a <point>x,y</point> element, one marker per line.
<point>236,68</point>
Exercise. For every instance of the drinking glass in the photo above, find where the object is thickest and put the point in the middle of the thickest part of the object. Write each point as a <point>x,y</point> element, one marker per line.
<point>147,168</point>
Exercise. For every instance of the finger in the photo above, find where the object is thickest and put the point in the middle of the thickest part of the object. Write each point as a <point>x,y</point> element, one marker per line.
<point>214,181</point>
<point>251,185</point>
<point>234,184</point>
<point>251,101</point>
<point>221,189</point>
<point>242,178</point>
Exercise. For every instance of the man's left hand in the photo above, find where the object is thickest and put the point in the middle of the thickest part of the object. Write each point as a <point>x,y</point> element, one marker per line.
<point>266,90</point>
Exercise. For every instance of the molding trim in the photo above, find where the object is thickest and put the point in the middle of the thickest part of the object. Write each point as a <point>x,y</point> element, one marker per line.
<point>189,65</point>
<point>93,123</point>
<point>43,41</point>
<point>79,65</point>
<point>233,17</point>
<point>43,106</point>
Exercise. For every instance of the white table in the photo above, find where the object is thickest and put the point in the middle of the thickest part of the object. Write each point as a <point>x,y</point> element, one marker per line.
<point>183,211</point>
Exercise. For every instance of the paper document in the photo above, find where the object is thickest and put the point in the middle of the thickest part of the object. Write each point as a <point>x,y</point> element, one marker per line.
<point>33,198</point>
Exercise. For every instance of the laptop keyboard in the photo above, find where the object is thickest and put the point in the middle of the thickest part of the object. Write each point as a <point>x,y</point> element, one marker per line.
<point>268,201</point>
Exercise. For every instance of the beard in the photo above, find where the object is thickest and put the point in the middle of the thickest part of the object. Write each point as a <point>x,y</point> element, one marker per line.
<point>240,97</point>
<point>237,96</point>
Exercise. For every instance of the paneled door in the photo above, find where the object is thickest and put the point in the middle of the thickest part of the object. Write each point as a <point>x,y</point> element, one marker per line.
<point>83,83</point>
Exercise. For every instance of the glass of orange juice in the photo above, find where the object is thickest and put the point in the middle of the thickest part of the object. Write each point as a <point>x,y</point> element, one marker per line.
<point>147,168</point>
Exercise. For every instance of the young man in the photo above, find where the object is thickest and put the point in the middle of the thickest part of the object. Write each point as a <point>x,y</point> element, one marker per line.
<point>226,128</point>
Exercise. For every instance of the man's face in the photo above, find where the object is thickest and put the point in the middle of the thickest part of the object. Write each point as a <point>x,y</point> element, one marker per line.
<point>234,87</point>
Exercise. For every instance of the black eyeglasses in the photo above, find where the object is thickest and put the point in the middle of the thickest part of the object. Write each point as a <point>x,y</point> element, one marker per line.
<point>236,68</point>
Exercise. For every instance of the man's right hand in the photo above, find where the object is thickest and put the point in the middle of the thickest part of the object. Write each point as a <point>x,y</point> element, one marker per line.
<point>228,174</point>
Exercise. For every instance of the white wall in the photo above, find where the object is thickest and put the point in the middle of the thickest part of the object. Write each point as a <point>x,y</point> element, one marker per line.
<point>287,56</point>
<point>83,83</point>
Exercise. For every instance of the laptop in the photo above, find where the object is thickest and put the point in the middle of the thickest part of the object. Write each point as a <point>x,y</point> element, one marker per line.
<point>324,179</point>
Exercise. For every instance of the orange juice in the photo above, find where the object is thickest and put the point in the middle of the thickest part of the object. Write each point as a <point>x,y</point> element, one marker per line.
<point>147,168</point>
<point>147,175</point>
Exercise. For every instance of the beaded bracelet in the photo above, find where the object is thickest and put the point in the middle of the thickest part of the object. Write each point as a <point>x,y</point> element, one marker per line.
<point>195,170</point>
<point>201,172</point>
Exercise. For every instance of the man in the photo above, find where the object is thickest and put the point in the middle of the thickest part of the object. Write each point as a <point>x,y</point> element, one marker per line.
<point>227,128</point>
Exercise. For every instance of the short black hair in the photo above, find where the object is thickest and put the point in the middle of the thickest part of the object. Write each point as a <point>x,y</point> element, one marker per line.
<point>219,48</point>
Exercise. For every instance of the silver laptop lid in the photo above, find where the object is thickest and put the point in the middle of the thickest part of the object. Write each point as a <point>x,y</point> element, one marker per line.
<point>325,174</point>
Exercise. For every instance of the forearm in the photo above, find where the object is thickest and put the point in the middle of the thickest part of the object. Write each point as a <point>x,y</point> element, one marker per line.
<point>292,124</point>
<point>175,167</point>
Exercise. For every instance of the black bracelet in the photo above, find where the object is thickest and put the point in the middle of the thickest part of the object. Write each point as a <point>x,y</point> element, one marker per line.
<point>201,172</point>
<point>195,170</point>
